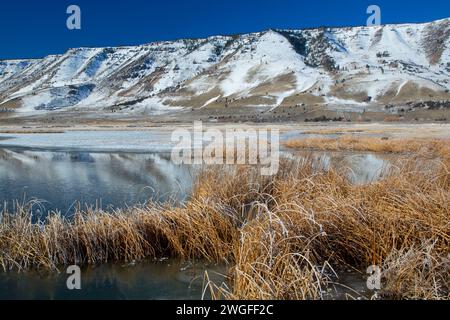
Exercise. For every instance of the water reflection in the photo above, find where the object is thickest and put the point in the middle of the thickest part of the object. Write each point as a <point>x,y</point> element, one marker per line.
<point>169,279</point>
<point>106,180</point>
<point>360,167</point>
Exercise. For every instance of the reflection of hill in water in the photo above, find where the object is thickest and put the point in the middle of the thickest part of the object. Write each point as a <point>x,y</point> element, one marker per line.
<point>112,179</point>
<point>359,167</point>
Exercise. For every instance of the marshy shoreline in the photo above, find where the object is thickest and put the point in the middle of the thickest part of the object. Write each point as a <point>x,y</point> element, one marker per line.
<point>285,236</point>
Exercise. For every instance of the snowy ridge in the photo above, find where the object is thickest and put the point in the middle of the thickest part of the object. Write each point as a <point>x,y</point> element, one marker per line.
<point>356,66</point>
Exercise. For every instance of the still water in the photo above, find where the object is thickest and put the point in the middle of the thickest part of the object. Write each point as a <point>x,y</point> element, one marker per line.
<point>58,180</point>
<point>149,280</point>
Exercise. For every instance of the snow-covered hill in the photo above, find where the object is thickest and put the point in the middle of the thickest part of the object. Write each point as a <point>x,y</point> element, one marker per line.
<point>358,67</point>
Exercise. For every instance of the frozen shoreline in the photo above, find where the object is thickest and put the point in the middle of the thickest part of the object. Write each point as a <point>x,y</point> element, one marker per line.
<point>93,141</point>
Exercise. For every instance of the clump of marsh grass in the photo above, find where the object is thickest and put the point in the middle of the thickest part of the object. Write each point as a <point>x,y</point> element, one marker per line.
<point>279,235</point>
<point>273,262</point>
<point>415,272</point>
<point>92,237</point>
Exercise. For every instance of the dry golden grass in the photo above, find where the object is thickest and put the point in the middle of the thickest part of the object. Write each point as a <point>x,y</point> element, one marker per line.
<point>313,218</point>
<point>277,234</point>
<point>426,147</point>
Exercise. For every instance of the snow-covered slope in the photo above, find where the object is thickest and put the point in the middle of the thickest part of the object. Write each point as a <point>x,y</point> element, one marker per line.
<point>358,66</point>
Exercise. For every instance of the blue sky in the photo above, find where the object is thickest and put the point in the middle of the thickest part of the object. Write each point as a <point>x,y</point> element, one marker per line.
<point>38,28</point>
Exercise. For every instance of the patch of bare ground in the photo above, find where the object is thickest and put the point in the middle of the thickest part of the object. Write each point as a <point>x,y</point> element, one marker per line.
<point>281,83</point>
<point>194,101</point>
<point>11,104</point>
<point>305,99</point>
<point>413,92</point>
<point>343,91</point>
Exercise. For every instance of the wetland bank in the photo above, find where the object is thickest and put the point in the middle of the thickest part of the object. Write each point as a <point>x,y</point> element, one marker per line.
<point>294,235</point>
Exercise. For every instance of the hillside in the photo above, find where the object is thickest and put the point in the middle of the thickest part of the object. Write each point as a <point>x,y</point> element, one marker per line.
<point>354,69</point>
